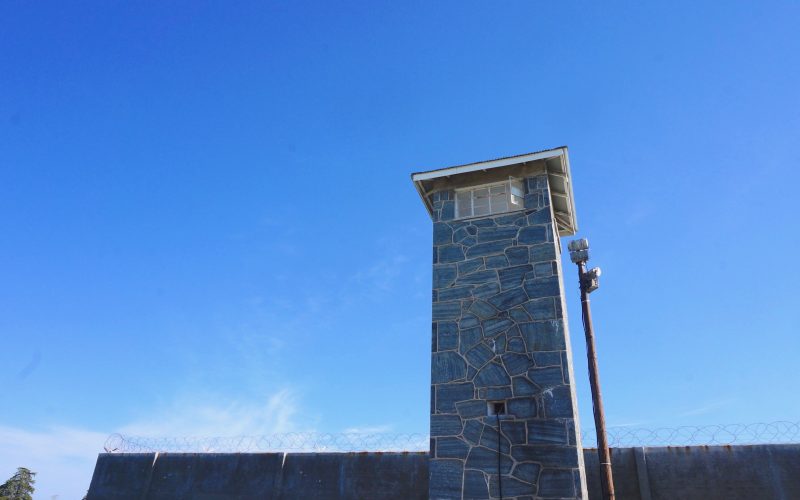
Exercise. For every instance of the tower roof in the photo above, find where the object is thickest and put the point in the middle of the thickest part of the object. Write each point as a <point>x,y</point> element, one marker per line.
<point>553,162</point>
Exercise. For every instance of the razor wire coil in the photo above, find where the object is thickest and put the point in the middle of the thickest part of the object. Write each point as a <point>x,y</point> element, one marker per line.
<point>316,442</point>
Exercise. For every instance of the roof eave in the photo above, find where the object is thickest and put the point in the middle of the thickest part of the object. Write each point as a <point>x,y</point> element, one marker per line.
<point>568,226</point>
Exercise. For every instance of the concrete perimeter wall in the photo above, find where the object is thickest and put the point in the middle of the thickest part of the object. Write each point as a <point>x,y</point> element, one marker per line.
<point>688,473</point>
<point>217,476</point>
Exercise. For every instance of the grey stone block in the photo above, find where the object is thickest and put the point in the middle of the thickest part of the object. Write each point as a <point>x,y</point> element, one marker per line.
<point>486,234</point>
<point>558,402</point>
<point>472,431</point>
<point>494,441</point>
<point>542,252</point>
<point>496,262</point>
<point>472,408</point>
<point>492,375</point>
<point>527,472</point>
<point>545,287</point>
<point>494,393</point>
<point>483,309</point>
<point>508,299</point>
<point>451,447</point>
<point>470,266</point>
<point>546,455</point>
<point>444,275</point>
<point>485,222</point>
<point>459,235</point>
<point>447,335</point>
<point>522,408</point>
<point>485,459</point>
<point>469,338</point>
<point>544,269</point>
<point>447,366</point>
<point>523,387</point>
<point>450,253</point>
<point>541,309</point>
<point>516,363</point>
<point>544,335</point>
<point>468,321</point>
<point>512,487</point>
<point>514,430</point>
<point>547,377</point>
<point>513,276</point>
<point>547,432</point>
<point>519,315</point>
<point>447,395</point>
<point>551,358</point>
<point>533,200</point>
<point>448,210</point>
<point>446,310</point>
<point>446,476</point>
<point>478,277</point>
<point>487,290</point>
<point>532,235</point>
<point>540,216</point>
<point>516,344</point>
<point>445,425</point>
<point>517,255</point>
<point>492,327</point>
<point>489,248</point>
<point>556,483</point>
<point>508,220</point>
<point>442,234</point>
<point>475,485</point>
<point>456,293</point>
<point>479,355</point>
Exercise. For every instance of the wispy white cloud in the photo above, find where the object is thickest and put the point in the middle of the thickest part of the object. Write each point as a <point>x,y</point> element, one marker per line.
<point>707,407</point>
<point>373,429</point>
<point>193,417</point>
<point>64,457</point>
<point>382,274</point>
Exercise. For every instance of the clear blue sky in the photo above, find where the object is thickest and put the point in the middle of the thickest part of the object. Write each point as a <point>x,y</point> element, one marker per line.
<point>208,227</point>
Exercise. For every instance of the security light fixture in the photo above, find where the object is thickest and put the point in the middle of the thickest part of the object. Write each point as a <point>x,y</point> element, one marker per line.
<point>579,250</point>
<point>588,280</point>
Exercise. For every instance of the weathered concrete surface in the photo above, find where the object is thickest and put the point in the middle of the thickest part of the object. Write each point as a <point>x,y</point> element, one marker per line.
<point>763,472</point>
<point>217,476</point>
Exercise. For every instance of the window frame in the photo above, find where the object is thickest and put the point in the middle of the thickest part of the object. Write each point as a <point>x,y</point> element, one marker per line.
<point>509,184</point>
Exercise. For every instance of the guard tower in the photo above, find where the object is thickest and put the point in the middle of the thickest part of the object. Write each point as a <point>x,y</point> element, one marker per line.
<point>504,420</point>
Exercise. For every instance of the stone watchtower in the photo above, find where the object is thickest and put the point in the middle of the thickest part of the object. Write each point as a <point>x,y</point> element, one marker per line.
<point>504,421</point>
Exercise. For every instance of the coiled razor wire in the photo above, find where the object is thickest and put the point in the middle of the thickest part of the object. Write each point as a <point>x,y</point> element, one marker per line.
<point>703,435</point>
<point>618,437</point>
<point>290,441</point>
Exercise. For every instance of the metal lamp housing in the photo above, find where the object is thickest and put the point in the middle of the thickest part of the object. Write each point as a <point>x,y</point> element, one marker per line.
<point>579,256</point>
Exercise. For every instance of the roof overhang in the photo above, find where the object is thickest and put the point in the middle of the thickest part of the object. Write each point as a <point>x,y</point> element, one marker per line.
<point>553,162</point>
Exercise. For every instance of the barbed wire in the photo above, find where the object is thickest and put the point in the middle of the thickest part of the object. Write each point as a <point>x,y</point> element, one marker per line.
<point>618,437</point>
<point>287,442</point>
<point>698,435</point>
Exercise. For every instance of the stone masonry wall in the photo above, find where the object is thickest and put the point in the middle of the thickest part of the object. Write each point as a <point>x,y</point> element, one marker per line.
<point>499,335</point>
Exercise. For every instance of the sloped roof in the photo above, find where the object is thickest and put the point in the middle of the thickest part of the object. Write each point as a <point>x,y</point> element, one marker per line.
<point>556,165</point>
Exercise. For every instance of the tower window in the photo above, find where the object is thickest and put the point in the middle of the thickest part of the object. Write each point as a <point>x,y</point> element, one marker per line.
<point>489,199</point>
<point>496,407</point>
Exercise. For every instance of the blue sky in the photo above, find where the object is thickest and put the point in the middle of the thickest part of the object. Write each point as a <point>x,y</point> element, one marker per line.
<point>208,225</point>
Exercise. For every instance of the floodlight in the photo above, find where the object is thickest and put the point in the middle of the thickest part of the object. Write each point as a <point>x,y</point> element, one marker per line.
<point>590,280</point>
<point>581,244</point>
<point>579,250</point>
